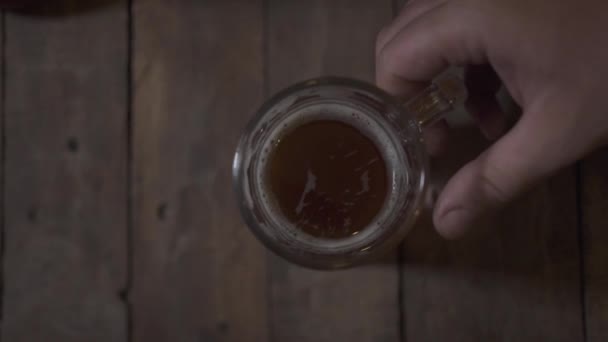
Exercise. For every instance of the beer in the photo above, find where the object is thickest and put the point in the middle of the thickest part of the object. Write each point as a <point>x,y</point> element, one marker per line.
<point>326,176</point>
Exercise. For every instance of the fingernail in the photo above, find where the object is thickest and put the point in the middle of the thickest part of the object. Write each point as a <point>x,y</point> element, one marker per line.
<point>454,223</point>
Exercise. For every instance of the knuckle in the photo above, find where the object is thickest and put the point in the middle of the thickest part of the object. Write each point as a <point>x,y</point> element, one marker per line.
<point>495,191</point>
<point>385,58</point>
<point>381,39</point>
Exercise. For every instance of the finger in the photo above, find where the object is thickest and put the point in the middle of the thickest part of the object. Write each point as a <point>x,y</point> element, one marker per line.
<point>426,46</point>
<point>488,115</point>
<point>533,149</point>
<point>482,84</point>
<point>409,12</point>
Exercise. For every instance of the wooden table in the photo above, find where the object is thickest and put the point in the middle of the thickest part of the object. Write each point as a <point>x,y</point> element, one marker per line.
<point>119,223</point>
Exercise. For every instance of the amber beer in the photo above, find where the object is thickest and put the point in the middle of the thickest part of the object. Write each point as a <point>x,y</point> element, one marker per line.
<point>325,172</point>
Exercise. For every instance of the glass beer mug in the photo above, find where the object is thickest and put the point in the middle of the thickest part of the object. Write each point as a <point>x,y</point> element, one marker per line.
<point>332,172</point>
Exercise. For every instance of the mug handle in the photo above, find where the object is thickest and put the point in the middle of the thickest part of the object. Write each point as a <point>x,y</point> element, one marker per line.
<point>442,96</point>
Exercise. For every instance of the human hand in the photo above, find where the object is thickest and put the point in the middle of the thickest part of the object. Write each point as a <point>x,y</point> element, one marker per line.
<point>552,58</point>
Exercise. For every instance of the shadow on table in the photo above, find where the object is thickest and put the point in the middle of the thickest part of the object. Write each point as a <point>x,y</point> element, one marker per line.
<point>465,143</point>
<point>533,242</point>
<point>56,8</point>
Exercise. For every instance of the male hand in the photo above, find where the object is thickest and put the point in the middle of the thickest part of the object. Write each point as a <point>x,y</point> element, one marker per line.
<point>552,56</point>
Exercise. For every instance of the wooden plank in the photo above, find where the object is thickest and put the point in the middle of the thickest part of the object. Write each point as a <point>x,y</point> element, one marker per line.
<point>515,279</point>
<point>308,39</point>
<point>66,176</point>
<point>2,158</point>
<point>199,275</point>
<point>595,239</point>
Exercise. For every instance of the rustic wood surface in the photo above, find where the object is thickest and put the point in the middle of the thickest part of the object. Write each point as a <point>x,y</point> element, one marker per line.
<point>65,176</point>
<point>594,207</point>
<point>198,275</point>
<point>118,124</point>
<point>307,39</point>
<point>516,278</point>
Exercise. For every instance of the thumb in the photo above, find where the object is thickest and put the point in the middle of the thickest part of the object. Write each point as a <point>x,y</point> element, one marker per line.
<point>532,150</point>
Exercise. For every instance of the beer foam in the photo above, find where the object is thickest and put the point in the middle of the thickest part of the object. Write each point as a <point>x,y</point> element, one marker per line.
<point>365,122</point>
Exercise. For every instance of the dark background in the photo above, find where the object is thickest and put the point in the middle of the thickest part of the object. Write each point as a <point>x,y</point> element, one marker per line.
<point>118,124</point>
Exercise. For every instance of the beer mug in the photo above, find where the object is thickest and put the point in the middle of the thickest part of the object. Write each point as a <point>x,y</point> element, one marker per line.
<point>331,172</point>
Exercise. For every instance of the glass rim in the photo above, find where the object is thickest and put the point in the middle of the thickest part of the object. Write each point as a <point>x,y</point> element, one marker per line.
<point>395,231</point>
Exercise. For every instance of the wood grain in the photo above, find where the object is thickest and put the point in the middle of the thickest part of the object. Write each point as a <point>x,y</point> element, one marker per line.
<point>199,275</point>
<point>2,158</point>
<point>66,176</point>
<point>594,181</point>
<point>515,278</point>
<point>309,39</point>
